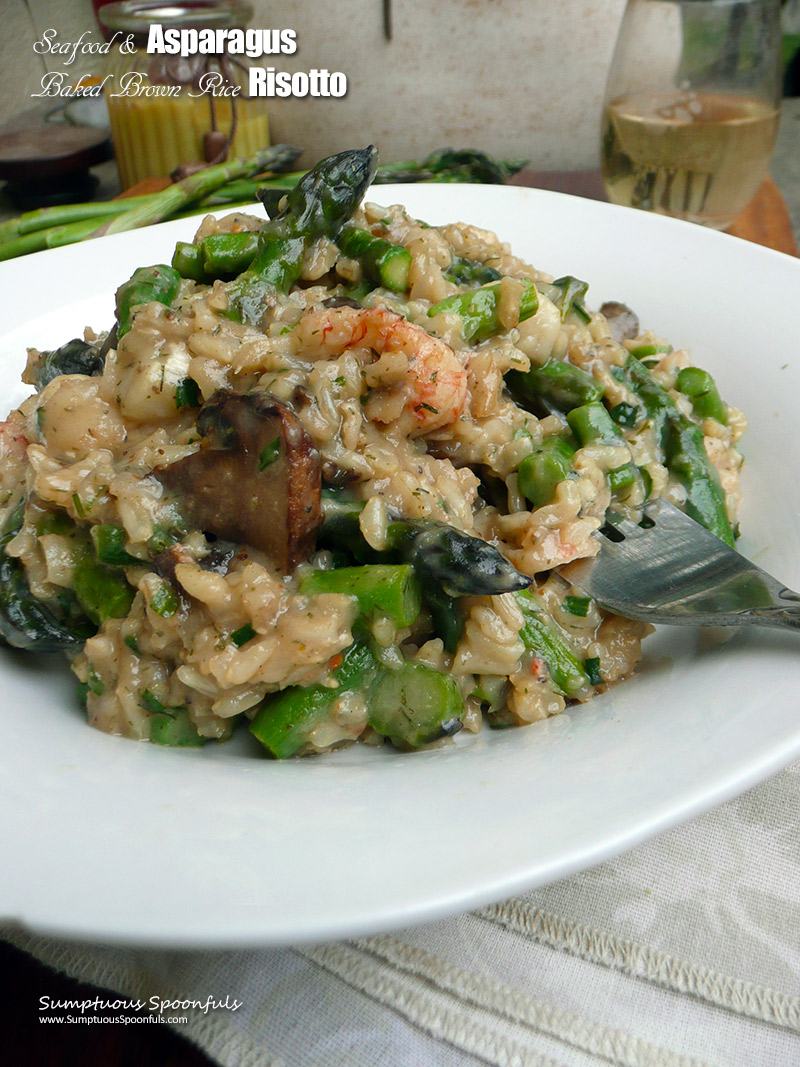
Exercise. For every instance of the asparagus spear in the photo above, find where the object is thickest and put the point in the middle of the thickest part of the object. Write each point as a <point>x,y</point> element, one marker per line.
<point>155,208</point>
<point>555,385</point>
<point>65,224</point>
<point>479,309</point>
<point>541,471</point>
<point>284,721</point>
<point>684,451</point>
<point>414,704</point>
<point>159,283</point>
<point>319,206</point>
<point>383,262</point>
<point>387,589</point>
<point>540,636</point>
<point>702,390</point>
<point>448,558</point>
<point>592,425</point>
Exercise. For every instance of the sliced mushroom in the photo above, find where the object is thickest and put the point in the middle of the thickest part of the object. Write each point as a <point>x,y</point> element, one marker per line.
<point>257,479</point>
<point>622,322</point>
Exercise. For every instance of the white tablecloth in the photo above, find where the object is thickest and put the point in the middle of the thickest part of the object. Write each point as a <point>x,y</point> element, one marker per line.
<point>681,953</point>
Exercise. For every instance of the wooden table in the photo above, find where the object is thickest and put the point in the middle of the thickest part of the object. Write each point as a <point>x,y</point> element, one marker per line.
<point>26,1041</point>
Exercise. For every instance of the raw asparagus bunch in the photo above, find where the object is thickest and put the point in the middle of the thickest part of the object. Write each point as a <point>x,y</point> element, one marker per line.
<point>222,186</point>
<point>144,210</point>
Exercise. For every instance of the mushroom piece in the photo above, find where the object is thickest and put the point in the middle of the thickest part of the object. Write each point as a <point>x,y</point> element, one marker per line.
<point>622,322</point>
<point>256,479</point>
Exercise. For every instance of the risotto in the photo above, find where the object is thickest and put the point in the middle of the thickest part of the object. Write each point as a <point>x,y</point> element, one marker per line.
<point>327,476</point>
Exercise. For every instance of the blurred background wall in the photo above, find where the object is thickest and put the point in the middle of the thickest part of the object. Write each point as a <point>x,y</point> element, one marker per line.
<point>21,25</point>
<point>512,77</point>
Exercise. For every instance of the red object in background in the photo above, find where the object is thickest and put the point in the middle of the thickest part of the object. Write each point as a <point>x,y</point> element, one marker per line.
<point>97,4</point>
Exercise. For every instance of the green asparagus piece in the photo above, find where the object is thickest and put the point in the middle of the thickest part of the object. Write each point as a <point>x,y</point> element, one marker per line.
<point>228,253</point>
<point>142,211</point>
<point>187,260</point>
<point>622,478</point>
<point>219,255</point>
<point>687,459</point>
<point>478,309</point>
<point>540,636</point>
<point>384,263</point>
<point>159,283</point>
<point>683,449</point>
<point>101,589</point>
<point>26,622</point>
<point>109,546</point>
<point>541,471</point>
<point>284,721</point>
<point>174,728</point>
<point>592,425</point>
<point>414,704</point>
<point>644,351</point>
<point>701,389</point>
<point>391,590</point>
<point>447,614</point>
<point>577,605</point>
<point>170,725</point>
<point>555,385</point>
<point>318,206</point>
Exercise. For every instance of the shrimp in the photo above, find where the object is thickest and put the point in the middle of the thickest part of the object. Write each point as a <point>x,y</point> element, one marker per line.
<point>13,442</point>
<point>421,371</point>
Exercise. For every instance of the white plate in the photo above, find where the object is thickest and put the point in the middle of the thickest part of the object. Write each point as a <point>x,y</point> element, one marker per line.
<point>106,839</point>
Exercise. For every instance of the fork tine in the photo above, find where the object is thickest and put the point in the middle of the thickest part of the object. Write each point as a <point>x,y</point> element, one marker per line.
<point>675,571</point>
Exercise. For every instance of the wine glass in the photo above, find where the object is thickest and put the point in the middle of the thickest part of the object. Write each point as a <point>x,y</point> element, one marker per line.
<point>691,107</point>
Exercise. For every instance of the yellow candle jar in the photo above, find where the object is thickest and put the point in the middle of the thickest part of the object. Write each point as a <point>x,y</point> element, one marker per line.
<point>172,110</point>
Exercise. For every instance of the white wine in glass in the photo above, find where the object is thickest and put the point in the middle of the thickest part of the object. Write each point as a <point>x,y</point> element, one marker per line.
<point>691,110</point>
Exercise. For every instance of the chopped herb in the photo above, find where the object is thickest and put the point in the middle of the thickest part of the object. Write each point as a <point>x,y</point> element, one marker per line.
<point>577,605</point>
<point>132,644</point>
<point>160,539</point>
<point>109,544</point>
<point>77,503</point>
<point>95,682</point>
<point>268,455</point>
<point>187,393</point>
<point>165,601</point>
<point>428,407</point>
<point>152,704</point>
<point>243,635</point>
<point>592,667</point>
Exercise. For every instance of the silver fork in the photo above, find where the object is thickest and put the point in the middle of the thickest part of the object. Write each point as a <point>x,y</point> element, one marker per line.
<point>675,571</point>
